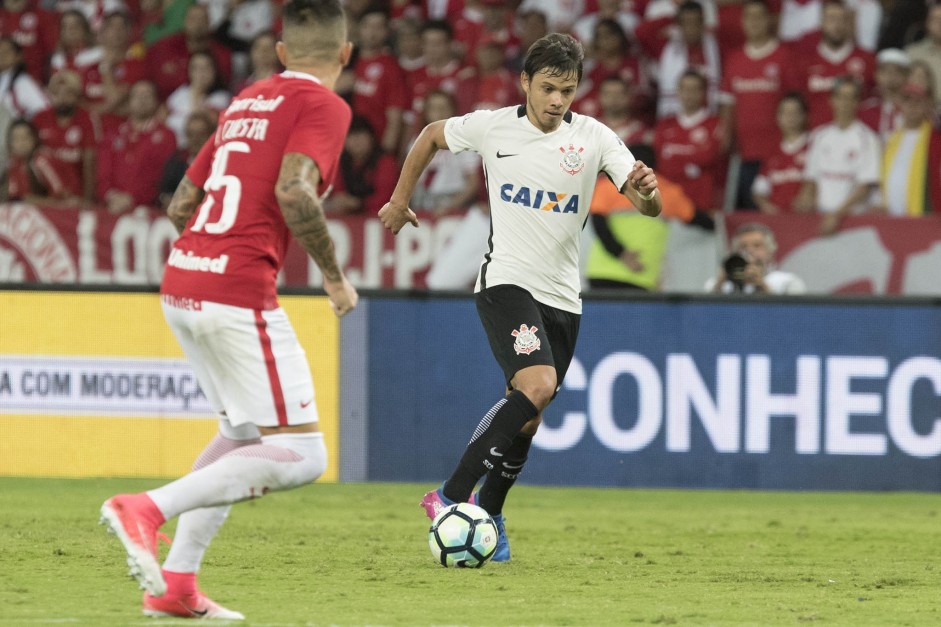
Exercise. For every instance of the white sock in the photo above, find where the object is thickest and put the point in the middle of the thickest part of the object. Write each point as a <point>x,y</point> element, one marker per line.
<point>280,462</point>
<point>196,529</point>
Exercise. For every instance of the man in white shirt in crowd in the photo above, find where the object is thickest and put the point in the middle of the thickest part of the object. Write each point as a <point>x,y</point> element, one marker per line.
<point>842,169</point>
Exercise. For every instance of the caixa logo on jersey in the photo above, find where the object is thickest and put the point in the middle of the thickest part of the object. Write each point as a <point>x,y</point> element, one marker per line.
<point>556,202</point>
<point>834,405</point>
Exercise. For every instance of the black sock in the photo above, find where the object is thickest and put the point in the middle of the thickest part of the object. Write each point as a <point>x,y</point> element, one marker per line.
<point>491,439</point>
<point>493,493</point>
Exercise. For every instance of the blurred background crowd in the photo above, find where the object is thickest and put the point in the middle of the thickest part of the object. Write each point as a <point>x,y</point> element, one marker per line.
<point>814,106</point>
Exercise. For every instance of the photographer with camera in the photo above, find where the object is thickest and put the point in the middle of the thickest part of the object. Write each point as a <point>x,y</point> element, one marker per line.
<point>749,268</point>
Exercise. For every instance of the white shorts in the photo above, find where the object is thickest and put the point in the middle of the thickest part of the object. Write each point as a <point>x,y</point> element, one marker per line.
<point>247,361</point>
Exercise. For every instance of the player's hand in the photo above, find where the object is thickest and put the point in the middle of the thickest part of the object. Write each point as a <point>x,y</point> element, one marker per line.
<point>394,217</point>
<point>642,178</point>
<point>343,296</point>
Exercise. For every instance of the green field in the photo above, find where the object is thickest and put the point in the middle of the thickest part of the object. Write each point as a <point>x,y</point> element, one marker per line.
<point>358,555</point>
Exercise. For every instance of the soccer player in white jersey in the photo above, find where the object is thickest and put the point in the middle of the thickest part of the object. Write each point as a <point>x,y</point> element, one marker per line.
<point>258,181</point>
<point>541,162</point>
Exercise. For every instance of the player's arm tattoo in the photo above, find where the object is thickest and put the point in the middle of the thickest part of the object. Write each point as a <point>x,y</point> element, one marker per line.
<point>184,202</point>
<point>303,212</point>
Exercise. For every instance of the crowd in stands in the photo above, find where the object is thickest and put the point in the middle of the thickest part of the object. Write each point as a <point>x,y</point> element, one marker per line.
<point>778,106</point>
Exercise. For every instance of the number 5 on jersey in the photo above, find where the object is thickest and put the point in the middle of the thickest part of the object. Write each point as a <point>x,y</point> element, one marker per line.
<point>219,180</point>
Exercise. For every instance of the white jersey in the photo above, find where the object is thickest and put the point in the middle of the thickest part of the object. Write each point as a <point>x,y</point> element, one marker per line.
<point>540,187</point>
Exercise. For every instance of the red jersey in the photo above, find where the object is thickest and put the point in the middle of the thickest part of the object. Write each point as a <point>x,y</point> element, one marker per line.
<point>234,244</point>
<point>380,83</point>
<point>127,72</point>
<point>131,160</point>
<point>36,31</point>
<point>67,139</point>
<point>756,81</point>
<point>821,69</point>
<point>489,91</point>
<point>782,174</point>
<point>425,79</point>
<point>54,178</point>
<point>688,153</point>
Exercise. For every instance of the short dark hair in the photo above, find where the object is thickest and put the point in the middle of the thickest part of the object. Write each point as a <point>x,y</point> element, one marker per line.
<point>797,97</point>
<point>558,54</point>
<point>690,6</point>
<point>441,25</point>
<point>325,23</point>
<point>847,79</point>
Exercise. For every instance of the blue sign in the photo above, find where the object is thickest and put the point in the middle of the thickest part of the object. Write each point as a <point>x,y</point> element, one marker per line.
<point>677,394</point>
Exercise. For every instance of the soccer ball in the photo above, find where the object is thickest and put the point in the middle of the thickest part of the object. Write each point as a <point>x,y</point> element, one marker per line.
<point>463,536</point>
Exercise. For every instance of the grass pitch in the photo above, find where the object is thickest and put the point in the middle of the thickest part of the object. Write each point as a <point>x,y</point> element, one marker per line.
<point>358,555</point>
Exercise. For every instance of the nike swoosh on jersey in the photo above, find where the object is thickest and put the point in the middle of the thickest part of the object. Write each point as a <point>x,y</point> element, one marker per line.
<point>499,156</point>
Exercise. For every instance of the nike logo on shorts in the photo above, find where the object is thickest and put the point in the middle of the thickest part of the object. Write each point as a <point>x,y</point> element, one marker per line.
<point>493,451</point>
<point>304,405</point>
<point>499,156</point>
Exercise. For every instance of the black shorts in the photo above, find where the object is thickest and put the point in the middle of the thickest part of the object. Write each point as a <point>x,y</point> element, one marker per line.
<point>524,332</point>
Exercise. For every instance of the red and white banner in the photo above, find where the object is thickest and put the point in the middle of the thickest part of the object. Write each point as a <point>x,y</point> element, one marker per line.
<point>868,255</point>
<point>69,246</point>
<point>874,255</point>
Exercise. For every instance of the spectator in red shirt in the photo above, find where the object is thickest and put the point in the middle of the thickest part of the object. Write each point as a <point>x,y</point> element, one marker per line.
<point>409,47</point>
<point>689,145</point>
<point>836,55</point>
<point>34,30</point>
<point>168,58</point>
<point>67,129</point>
<point>615,100</point>
<point>76,43</point>
<point>495,25</point>
<point>108,80</point>
<point>611,57</point>
<point>367,176</point>
<point>883,112</point>
<point>755,78</point>
<point>488,85</point>
<point>35,175</point>
<point>782,174</point>
<point>263,60</point>
<point>379,91</point>
<point>131,159</point>
<point>441,68</point>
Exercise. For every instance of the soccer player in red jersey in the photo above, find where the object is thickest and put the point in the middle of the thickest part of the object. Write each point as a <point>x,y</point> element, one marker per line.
<point>258,181</point>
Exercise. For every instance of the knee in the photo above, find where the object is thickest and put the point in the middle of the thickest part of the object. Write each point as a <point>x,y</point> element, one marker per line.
<point>539,389</point>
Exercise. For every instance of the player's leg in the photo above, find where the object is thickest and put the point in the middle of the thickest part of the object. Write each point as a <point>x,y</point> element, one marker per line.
<point>240,348</point>
<point>514,328</point>
<point>264,380</point>
<point>562,330</point>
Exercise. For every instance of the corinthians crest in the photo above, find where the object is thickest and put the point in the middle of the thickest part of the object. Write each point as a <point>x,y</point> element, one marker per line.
<point>526,340</point>
<point>572,161</point>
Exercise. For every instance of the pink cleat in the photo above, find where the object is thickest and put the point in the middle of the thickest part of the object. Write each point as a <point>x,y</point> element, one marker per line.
<point>184,600</point>
<point>134,518</point>
<point>196,605</point>
<point>434,502</point>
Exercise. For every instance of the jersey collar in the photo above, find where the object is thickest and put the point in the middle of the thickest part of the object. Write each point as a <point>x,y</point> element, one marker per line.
<point>302,75</point>
<point>521,113</point>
